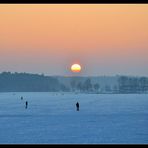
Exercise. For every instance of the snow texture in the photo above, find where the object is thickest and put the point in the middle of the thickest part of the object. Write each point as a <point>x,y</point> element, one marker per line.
<point>51,118</point>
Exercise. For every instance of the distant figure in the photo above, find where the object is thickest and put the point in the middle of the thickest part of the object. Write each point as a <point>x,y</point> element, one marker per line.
<point>77,106</point>
<point>26,104</point>
<point>21,98</point>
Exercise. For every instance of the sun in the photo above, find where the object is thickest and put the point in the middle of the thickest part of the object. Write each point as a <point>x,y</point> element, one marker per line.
<point>75,68</point>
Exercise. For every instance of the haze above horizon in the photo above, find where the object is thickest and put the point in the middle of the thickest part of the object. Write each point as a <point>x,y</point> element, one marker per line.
<point>105,39</point>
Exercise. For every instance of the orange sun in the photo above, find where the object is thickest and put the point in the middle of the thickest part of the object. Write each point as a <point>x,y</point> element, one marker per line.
<point>75,68</point>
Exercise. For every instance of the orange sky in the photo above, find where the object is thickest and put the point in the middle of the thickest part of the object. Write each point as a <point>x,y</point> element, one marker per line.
<point>55,35</point>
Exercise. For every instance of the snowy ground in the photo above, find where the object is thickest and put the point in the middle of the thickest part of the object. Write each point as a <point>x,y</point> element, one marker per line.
<point>51,118</point>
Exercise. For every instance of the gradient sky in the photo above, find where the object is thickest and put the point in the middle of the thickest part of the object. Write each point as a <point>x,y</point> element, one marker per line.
<point>106,39</point>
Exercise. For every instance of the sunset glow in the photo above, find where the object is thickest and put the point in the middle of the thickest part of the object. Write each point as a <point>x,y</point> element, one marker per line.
<point>108,39</point>
<point>75,68</point>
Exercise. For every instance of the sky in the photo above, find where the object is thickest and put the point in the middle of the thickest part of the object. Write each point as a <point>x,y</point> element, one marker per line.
<point>105,39</point>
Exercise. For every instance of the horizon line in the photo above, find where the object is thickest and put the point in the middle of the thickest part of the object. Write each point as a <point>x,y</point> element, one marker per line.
<point>103,75</point>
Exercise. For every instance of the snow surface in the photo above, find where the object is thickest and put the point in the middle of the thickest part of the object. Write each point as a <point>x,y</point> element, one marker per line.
<point>51,118</point>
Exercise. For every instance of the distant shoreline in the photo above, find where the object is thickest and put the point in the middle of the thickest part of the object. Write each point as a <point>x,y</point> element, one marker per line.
<point>25,82</point>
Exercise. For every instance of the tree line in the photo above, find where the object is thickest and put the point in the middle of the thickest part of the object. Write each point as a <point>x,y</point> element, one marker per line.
<point>11,82</point>
<point>25,82</point>
<point>132,84</point>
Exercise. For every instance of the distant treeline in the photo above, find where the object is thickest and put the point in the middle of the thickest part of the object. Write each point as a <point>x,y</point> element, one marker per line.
<point>25,82</point>
<point>132,84</point>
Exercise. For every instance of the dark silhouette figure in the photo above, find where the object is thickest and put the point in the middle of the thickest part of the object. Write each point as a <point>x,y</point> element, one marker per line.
<point>26,104</point>
<point>77,106</point>
<point>21,98</point>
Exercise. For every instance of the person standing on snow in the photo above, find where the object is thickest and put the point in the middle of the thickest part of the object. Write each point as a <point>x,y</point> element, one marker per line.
<point>26,104</point>
<point>77,106</point>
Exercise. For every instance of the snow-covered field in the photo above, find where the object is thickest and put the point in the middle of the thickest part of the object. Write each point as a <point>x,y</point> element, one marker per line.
<point>51,118</point>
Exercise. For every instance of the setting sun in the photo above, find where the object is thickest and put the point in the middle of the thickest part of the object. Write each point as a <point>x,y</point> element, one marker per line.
<point>75,68</point>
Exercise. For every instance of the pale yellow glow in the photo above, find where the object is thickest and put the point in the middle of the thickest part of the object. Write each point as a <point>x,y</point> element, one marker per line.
<point>75,68</point>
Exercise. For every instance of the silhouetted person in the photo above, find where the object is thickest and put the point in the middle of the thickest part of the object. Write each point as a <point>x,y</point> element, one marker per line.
<point>77,106</point>
<point>26,104</point>
<point>21,98</point>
